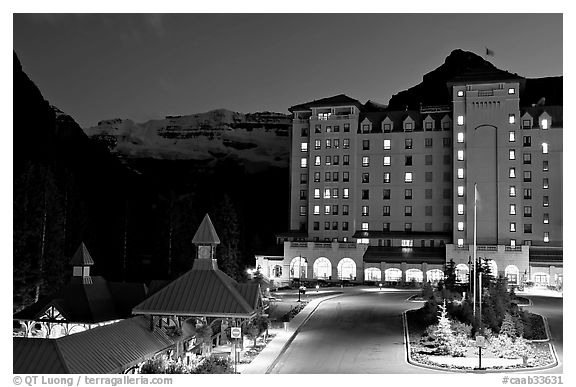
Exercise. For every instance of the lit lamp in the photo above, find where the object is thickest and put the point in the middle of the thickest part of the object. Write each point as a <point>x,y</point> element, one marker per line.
<point>317,287</point>
<point>380,285</point>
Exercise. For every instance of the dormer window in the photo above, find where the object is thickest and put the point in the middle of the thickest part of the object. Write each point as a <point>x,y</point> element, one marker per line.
<point>365,128</point>
<point>544,124</point>
<point>408,126</point>
<point>429,125</point>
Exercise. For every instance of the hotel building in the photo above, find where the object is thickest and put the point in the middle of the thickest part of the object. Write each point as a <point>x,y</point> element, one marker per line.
<point>388,195</point>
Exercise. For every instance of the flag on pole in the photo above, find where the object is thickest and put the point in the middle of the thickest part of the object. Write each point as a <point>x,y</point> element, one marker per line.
<point>489,52</point>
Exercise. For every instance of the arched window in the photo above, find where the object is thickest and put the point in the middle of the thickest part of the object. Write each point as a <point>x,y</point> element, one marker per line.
<point>434,275</point>
<point>414,275</point>
<point>322,268</point>
<point>298,267</point>
<point>462,273</point>
<point>346,269</point>
<point>511,272</point>
<point>393,275</point>
<point>372,274</point>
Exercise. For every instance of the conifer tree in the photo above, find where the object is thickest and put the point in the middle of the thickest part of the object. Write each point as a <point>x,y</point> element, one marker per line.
<point>508,327</point>
<point>443,333</point>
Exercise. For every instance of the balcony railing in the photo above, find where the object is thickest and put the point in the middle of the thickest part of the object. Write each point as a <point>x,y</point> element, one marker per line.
<point>485,93</point>
<point>487,248</point>
<point>513,248</point>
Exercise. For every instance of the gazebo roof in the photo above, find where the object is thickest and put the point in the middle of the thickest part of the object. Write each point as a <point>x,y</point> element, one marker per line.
<point>203,291</point>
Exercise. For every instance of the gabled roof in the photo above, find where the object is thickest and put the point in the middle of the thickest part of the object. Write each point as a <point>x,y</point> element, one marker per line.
<point>111,348</point>
<point>556,112</point>
<point>206,234</point>
<point>88,303</point>
<point>337,100</point>
<point>81,257</point>
<point>399,116</point>
<point>202,291</point>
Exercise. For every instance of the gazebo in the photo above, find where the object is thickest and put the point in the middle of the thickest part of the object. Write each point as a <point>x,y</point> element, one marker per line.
<point>203,296</point>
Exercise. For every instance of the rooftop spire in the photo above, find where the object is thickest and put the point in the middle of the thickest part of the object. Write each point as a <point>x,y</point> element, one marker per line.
<point>82,257</point>
<point>206,234</point>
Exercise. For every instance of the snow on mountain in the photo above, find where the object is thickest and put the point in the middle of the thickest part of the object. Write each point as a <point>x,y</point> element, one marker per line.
<point>250,138</point>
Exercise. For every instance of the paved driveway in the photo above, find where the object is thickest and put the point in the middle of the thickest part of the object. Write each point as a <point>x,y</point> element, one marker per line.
<point>358,332</point>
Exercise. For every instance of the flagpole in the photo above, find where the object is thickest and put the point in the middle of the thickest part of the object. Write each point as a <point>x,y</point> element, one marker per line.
<point>474,252</point>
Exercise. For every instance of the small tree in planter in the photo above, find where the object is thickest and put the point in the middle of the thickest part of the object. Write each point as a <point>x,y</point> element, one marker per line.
<point>508,327</point>
<point>523,349</point>
<point>203,336</point>
<point>215,365</point>
<point>427,291</point>
<point>443,332</point>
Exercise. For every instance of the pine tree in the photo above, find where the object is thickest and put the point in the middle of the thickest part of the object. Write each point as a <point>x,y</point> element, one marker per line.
<point>508,327</point>
<point>227,226</point>
<point>443,333</point>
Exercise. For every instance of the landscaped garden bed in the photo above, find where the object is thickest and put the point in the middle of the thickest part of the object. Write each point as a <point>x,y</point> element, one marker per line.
<point>442,333</point>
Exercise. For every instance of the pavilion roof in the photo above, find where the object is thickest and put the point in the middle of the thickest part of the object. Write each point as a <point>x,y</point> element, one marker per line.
<point>203,291</point>
<point>206,234</point>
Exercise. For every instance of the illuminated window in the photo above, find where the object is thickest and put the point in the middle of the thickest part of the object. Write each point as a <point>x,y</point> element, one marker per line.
<point>408,126</point>
<point>365,178</point>
<point>407,210</point>
<point>511,90</point>
<point>512,191</point>
<point>365,161</point>
<point>460,209</point>
<point>327,193</point>
<point>407,243</point>
<point>387,127</point>
<point>460,173</point>
<point>386,211</point>
<point>460,242</point>
<point>336,143</point>
<point>387,144</point>
<point>511,136</point>
<point>304,147</point>
<point>546,237</point>
<point>546,218</point>
<point>512,226</point>
<point>544,148</point>
<point>545,201</point>
<point>334,193</point>
<point>512,209</point>
<point>545,165</point>
<point>544,124</point>
<point>328,129</point>
<point>364,226</point>
<point>460,120</point>
<point>460,93</point>
<point>327,210</point>
<point>346,143</point>
<point>460,190</point>
<point>317,160</point>
<point>386,160</point>
<point>512,242</point>
<point>302,210</point>
<point>316,210</point>
<point>545,183</point>
<point>317,144</point>
<point>365,128</point>
<point>511,119</point>
<point>303,162</point>
<point>407,226</point>
<point>386,177</point>
<point>328,160</point>
<point>460,137</point>
<point>316,177</point>
<point>324,116</point>
<point>512,172</point>
<point>346,193</point>
<point>460,155</point>
<point>365,211</point>
<point>460,226</point>
<point>512,154</point>
<point>328,143</point>
<point>408,177</point>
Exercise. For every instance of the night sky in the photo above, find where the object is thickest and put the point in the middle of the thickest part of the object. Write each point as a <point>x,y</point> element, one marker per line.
<point>145,66</point>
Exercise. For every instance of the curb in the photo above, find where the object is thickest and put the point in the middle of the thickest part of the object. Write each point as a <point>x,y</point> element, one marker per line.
<point>296,331</point>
